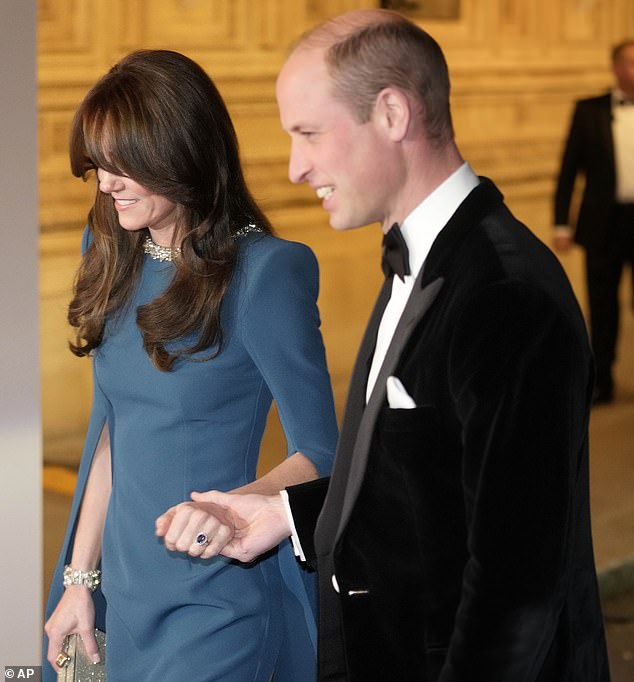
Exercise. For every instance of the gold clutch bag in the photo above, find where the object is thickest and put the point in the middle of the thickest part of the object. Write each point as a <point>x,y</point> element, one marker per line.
<point>80,668</point>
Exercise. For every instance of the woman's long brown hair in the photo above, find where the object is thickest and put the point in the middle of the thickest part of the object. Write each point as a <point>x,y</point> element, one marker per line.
<point>157,118</point>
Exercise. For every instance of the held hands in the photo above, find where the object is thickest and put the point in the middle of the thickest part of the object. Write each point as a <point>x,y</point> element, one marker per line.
<point>75,612</point>
<point>236,526</point>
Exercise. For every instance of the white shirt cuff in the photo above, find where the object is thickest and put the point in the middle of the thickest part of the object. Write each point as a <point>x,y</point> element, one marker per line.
<point>297,545</point>
<point>563,230</point>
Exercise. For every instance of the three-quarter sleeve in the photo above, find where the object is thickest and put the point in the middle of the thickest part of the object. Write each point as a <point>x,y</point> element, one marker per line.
<point>280,322</point>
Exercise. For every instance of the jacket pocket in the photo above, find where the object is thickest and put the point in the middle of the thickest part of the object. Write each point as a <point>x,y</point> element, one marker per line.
<point>420,418</point>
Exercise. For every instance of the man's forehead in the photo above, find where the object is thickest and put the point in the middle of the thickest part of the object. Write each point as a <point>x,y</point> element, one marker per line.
<point>304,62</point>
<point>303,78</point>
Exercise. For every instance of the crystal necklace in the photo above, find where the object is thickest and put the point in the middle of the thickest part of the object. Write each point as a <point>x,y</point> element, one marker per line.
<point>251,227</point>
<point>158,252</point>
<point>166,253</point>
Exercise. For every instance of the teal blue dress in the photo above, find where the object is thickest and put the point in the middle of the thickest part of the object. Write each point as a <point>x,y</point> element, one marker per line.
<point>167,616</point>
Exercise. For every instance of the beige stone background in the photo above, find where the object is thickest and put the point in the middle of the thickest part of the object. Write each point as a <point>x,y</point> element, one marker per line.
<point>516,69</point>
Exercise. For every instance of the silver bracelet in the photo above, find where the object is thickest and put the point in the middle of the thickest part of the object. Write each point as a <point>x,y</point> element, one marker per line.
<point>90,579</point>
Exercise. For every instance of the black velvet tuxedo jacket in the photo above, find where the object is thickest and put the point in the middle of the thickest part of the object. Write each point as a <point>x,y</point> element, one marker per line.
<point>458,532</point>
<point>589,151</point>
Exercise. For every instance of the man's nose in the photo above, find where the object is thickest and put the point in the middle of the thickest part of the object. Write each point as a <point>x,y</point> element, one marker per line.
<point>298,165</point>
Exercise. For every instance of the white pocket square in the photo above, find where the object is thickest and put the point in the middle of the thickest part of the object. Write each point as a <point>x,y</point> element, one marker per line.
<point>397,396</point>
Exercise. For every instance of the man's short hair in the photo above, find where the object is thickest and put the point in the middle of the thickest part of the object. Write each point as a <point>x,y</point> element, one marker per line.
<point>619,47</point>
<point>384,49</point>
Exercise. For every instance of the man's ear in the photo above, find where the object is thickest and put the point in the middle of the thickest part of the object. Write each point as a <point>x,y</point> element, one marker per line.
<point>393,113</point>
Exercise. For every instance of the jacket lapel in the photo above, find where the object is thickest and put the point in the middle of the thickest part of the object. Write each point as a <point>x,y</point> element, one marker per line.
<point>355,405</point>
<point>605,125</point>
<point>418,304</point>
<point>359,419</point>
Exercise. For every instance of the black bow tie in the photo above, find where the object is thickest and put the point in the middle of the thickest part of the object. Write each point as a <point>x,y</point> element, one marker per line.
<point>395,253</point>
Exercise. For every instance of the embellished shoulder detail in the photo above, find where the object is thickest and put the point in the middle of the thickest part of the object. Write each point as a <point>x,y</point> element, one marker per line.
<point>251,227</point>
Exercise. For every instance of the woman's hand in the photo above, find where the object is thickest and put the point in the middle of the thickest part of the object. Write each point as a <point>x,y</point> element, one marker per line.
<point>241,527</point>
<point>75,613</point>
<point>182,525</point>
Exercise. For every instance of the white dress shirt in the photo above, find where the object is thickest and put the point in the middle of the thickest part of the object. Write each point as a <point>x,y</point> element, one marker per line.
<point>623,136</point>
<point>420,229</point>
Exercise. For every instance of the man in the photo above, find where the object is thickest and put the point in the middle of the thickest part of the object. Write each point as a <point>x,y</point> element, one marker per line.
<point>600,146</point>
<point>453,540</point>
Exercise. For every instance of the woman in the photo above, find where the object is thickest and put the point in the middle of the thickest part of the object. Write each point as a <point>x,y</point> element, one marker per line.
<point>195,317</point>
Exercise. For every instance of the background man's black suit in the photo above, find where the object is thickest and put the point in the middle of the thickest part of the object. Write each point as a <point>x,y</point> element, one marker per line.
<point>604,228</point>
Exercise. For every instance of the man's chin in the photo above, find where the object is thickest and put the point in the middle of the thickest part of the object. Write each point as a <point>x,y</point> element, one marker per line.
<point>341,225</point>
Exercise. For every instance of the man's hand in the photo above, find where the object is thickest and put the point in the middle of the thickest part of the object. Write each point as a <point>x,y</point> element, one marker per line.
<point>238,526</point>
<point>562,241</point>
